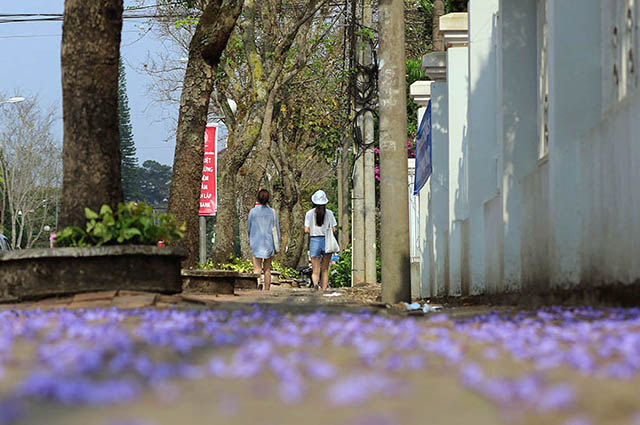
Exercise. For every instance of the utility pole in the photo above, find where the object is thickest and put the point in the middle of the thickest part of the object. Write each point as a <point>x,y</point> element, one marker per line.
<point>364,192</point>
<point>369,178</point>
<point>394,196</point>
<point>358,192</point>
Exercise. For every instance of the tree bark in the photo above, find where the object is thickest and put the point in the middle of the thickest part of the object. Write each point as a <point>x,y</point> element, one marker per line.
<point>208,42</point>
<point>438,39</point>
<point>91,149</point>
<point>296,237</point>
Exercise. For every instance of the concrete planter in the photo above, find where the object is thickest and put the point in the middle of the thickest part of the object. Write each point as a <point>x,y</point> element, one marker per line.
<point>38,273</point>
<point>209,281</point>
<point>275,277</point>
<point>247,281</point>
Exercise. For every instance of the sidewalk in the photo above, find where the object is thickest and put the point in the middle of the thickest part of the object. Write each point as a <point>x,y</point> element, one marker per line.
<point>292,356</point>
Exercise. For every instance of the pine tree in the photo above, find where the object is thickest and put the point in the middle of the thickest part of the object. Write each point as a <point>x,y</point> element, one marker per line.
<point>129,160</point>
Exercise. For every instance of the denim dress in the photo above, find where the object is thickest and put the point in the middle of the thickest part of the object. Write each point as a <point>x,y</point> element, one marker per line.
<point>259,225</point>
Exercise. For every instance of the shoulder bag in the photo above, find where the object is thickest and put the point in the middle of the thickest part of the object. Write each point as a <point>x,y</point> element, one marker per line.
<point>274,233</point>
<point>330,241</point>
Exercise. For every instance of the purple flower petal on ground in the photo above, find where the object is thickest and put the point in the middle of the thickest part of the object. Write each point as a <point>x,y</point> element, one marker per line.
<point>472,376</point>
<point>375,419</point>
<point>439,318</point>
<point>357,388</point>
<point>578,420</point>
<point>11,410</point>
<point>490,353</point>
<point>320,369</point>
<point>129,421</point>
<point>558,397</point>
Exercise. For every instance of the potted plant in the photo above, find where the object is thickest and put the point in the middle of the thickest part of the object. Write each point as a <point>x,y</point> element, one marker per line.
<point>116,250</point>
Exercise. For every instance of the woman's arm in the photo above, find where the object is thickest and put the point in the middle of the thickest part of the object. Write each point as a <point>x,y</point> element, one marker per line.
<point>306,229</point>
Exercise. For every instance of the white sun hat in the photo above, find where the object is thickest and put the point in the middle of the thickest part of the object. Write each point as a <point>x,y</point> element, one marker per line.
<point>319,198</point>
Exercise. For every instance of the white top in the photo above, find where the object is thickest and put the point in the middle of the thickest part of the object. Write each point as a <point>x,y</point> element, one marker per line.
<point>310,222</point>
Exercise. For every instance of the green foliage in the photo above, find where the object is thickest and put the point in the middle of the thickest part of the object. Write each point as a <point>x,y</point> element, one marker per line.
<point>235,264</point>
<point>153,181</point>
<point>131,224</point>
<point>187,22</point>
<point>286,272</point>
<point>128,156</point>
<point>340,274</point>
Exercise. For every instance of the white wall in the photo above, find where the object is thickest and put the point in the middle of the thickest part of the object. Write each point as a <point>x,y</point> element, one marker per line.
<point>482,134</point>
<point>610,183</point>
<point>439,182</point>
<point>574,107</point>
<point>518,44</point>
<point>458,80</point>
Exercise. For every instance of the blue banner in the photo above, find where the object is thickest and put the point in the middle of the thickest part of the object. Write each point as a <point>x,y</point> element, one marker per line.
<point>423,151</point>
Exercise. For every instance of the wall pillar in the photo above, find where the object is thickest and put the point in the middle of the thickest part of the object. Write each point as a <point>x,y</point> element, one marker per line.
<point>420,223</point>
<point>518,66</point>
<point>575,105</point>
<point>482,134</point>
<point>434,65</point>
<point>454,27</point>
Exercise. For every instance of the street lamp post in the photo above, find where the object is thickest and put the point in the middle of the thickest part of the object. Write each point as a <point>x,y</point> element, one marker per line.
<point>14,99</point>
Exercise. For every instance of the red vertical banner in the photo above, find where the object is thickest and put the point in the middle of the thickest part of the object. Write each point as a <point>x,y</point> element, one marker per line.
<point>208,189</point>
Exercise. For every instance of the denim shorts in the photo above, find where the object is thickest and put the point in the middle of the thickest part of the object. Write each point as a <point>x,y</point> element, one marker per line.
<point>316,246</point>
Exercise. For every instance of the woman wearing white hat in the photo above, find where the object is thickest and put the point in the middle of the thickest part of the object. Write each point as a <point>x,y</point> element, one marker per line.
<point>316,223</point>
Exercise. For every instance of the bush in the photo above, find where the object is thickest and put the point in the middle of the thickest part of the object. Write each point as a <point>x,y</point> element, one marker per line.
<point>286,272</point>
<point>132,224</point>
<point>245,266</point>
<point>340,274</point>
<point>235,264</point>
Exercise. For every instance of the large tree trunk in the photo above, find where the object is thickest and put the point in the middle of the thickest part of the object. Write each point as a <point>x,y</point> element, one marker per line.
<point>91,150</point>
<point>208,42</point>
<point>436,35</point>
<point>297,237</point>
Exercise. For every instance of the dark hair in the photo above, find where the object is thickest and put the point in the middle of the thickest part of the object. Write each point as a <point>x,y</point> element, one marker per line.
<point>263,196</point>
<point>320,210</point>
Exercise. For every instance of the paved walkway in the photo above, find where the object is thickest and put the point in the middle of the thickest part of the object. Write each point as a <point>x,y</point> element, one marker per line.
<point>296,356</point>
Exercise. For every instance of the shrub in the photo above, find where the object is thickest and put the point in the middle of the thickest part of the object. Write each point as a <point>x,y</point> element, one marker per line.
<point>340,274</point>
<point>235,264</point>
<point>286,272</point>
<point>132,224</point>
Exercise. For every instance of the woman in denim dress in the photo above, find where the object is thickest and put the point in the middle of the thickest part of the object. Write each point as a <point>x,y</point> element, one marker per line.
<point>262,219</point>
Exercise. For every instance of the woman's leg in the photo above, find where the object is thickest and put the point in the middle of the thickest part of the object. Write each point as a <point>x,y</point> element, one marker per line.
<point>267,273</point>
<point>316,264</point>
<point>326,260</point>
<point>257,267</point>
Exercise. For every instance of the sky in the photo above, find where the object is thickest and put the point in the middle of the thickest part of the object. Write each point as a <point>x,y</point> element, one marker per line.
<point>30,65</point>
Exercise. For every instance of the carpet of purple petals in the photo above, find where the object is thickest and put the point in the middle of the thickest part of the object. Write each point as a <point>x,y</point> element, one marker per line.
<point>552,363</point>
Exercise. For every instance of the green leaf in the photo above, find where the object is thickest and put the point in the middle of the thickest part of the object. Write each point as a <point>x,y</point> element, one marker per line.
<point>131,232</point>
<point>90,214</point>
<point>106,209</point>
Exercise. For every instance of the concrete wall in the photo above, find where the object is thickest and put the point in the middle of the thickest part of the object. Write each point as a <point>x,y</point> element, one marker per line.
<point>482,134</point>
<point>518,42</point>
<point>574,107</point>
<point>536,228</point>
<point>458,80</point>
<point>536,184</point>
<point>610,183</point>
<point>439,182</point>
